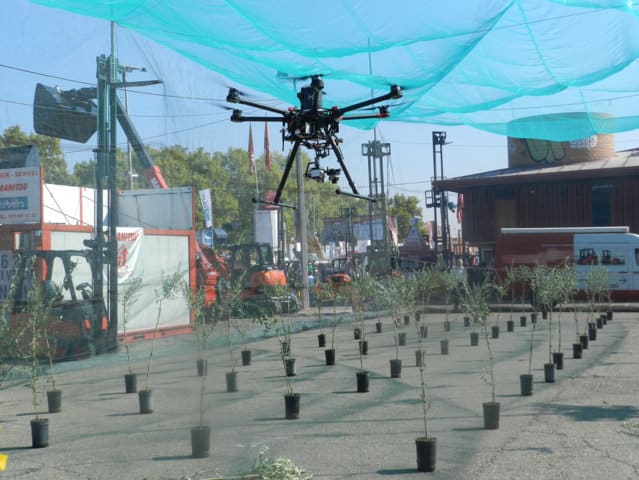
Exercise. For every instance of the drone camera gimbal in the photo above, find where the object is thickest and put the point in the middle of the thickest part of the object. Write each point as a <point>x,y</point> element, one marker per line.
<point>315,128</point>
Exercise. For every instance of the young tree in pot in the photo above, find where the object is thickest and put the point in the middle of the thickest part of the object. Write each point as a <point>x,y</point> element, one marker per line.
<point>329,353</point>
<point>545,288</point>
<point>291,399</point>
<point>27,340</point>
<point>565,285</point>
<point>475,303</point>
<point>368,289</point>
<point>391,298</point>
<point>203,328</point>
<point>469,299</point>
<point>510,285</point>
<point>128,298</point>
<point>525,274</point>
<point>321,295</point>
<point>168,291</point>
<point>597,283</point>
<point>426,446</point>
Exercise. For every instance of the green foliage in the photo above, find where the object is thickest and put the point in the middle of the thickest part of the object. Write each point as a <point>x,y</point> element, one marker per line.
<point>404,208</point>
<point>278,468</point>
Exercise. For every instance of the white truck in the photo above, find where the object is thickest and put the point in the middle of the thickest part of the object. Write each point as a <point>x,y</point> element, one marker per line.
<point>613,248</point>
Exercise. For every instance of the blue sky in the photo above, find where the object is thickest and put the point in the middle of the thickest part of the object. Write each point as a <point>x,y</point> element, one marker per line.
<point>58,48</point>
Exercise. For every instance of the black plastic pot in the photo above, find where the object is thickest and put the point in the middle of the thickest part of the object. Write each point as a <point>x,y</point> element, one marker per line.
<point>419,358</point>
<point>406,320</point>
<point>443,346</point>
<point>200,441</point>
<point>54,400</point>
<point>40,433</point>
<point>321,340</point>
<point>558,360</point>
<point>576,350</point>
<point>231,382</point>
<point>466,321</point>
<point>246,357</point>
<point>362,382</point>
<point>544,315</point>
<point>584,341</point>
<point>549,372</point>
<point>378,327</point>
<point>446,325</point>
<point>145,400</point>
<point>533,317</point>
<point>592,332</point>
<point>290,367</point>
<point>401,338</point>
<point>491,415</point>
<point>526,384</point>
<point>522,321</point>
<point>202,367</point>
<point>494,331</point>
<point>609,315</point>
<point>357,333</point>
<point>423,331</point>
<point>395,368</point>
<point>426,454</point>
<point>604,318</point>
<point>418,317</point>
<point>599,322</point>
<point>363,347</point>
<point>329,355</point>
<point>474,339</point>
<point>130,383</point>
<point>292,406</point>
<point>510,326</point>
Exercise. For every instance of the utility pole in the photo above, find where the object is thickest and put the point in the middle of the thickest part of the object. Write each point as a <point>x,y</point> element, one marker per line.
<point>376,151</point>
<point>301,231</point>
<point>438,197</point>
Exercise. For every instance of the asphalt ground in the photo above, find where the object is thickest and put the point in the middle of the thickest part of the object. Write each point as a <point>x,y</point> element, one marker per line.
<point>583,426</point>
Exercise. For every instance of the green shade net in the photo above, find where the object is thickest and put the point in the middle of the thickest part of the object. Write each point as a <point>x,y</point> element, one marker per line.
<point>556,70</point>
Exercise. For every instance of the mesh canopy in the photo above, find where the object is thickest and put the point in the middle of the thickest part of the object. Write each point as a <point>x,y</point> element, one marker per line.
<point>557,70</point>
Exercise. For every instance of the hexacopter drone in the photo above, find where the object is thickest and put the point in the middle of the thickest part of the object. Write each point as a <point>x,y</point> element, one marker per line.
<point>315,128</point>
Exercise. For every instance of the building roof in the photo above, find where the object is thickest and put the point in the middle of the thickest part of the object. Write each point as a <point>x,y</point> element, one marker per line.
<point>624,163</point>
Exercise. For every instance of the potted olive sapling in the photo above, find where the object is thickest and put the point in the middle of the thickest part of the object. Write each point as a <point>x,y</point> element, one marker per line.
<point>390,298</point>
<point>597,284</point>
<point>475,303</point>
<point>368,289</point>
<point>329,353</point>
<point>128,298</point>
<point>28,340</point>
<point>470,309</point>
<point>169,289</point>
<point>426,445</point>
<point>565,282</point>
<point>203,328</point>
<point>525,275</point>
<point>291,398</point>
<point>544,287</point>
<point>321,295</point>
<point>510,285</point>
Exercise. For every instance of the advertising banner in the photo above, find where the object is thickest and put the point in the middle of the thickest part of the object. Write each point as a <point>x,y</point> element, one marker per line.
<point>129,247</point>
<point>207,207</point>
<point>20,195</point>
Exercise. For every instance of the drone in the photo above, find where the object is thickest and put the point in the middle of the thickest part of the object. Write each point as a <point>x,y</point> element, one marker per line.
<point>314,127</point>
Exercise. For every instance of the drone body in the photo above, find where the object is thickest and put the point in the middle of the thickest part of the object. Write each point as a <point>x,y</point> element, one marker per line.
<point>313,127</point>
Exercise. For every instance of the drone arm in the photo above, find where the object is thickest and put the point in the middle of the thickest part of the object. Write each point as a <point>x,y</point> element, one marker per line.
<point>241,118</point>
<point>340,160</point>
<point>287,170</point>
<point>395,92</point>
<point>364,117</point>
<point>234,97</point>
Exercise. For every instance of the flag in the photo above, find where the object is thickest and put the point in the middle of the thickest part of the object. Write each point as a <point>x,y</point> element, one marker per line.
<point>431,227</point>
<point>207,207</point>
<point>460,206</point>
<point>251,151</point>
<point>267,147</point>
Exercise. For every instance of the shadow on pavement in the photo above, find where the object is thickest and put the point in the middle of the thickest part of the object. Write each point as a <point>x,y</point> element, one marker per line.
<point>588,413</point>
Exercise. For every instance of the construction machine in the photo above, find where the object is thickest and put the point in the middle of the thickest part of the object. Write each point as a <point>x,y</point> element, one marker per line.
<point>78,324</point>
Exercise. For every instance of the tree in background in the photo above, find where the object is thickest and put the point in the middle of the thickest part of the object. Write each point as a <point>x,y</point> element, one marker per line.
<point>404,208</point>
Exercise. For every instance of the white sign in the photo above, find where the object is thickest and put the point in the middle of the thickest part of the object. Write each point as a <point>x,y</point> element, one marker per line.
<point>129,247</point>
<point>20,195</point>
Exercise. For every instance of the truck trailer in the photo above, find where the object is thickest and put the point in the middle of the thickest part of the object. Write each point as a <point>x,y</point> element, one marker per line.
<point>613,248</point>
